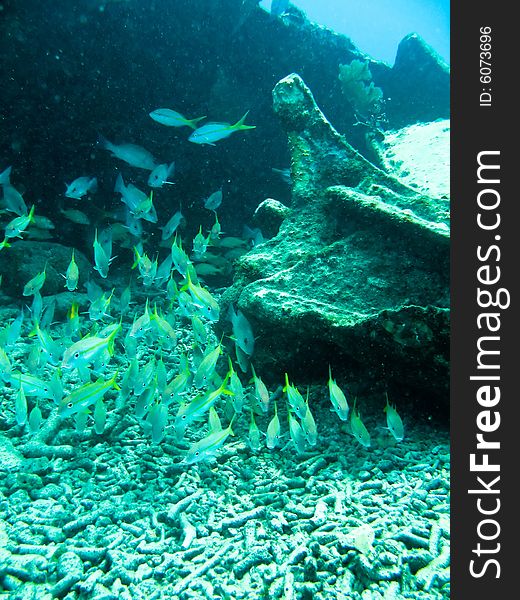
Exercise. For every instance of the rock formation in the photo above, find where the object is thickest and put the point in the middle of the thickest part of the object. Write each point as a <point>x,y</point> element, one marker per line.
<point>357,275</point>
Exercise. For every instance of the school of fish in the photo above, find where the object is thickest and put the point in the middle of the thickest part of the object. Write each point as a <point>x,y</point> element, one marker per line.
<point>118,354</point>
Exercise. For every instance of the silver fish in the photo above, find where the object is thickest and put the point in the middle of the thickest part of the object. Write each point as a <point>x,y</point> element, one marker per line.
<point>242,331</point>
<point>171,118</point>
<point>14,201</point>
<point>171,226</point>
<point>214,200</point>
<point>81,187</point>
<point>159,176</point>
<point>213,132</point>
<point>132,154</point>
<point>393,421</point>
<point>206,448</point>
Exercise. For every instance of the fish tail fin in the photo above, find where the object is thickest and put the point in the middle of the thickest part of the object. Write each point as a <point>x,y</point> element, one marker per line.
<point>189,282</point>
<point>193,122</point>
<point>240,123</point>
<point>31,215</point>
<point>385,409</point>
<point>103,142</point>
<point>115,385</point>
<point>155,315</point>
<point>120,184</point>
<point>137,257</point>
<point>231,313</point>
<point>92,187</point>
<point>231,432</point>
<point>286,387</point>
<point>5,176</point>
<point>112,341</point>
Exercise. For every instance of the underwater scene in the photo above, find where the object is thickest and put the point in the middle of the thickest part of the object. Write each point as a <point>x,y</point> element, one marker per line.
<point>224,306</point>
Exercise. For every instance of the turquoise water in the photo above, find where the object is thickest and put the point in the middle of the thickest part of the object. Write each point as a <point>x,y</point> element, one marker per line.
<point>224,307</point>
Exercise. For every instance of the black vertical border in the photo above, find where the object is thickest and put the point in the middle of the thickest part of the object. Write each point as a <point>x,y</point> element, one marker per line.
<point>474,129</point>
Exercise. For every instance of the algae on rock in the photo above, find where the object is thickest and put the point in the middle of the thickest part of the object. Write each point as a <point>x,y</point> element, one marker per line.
<point>26,258</point>
<point>359,89</point>
<point>358,273</point>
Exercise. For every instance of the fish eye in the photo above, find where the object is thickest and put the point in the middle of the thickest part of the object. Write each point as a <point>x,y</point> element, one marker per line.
<point>76,355</point>
<point>183,417</point>
<point>69,405</point>
<point>197,453</point>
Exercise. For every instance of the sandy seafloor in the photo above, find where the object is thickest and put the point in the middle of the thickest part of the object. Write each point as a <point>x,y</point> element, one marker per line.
<point>114,516</point>
<point>419,155</point>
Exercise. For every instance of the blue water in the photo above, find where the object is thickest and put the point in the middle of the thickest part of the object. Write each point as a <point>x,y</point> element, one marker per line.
<point>378,26</point>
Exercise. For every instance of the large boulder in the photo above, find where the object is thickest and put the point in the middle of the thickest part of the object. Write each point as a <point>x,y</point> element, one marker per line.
<point>24,259</point>
<point>357,276</point>
<point>418,85</point>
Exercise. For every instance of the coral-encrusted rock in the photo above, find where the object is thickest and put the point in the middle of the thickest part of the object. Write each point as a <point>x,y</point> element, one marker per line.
<point>269,215</point>
<point>357,275</point>
<point>24,259</point>
<point>418,84</point>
